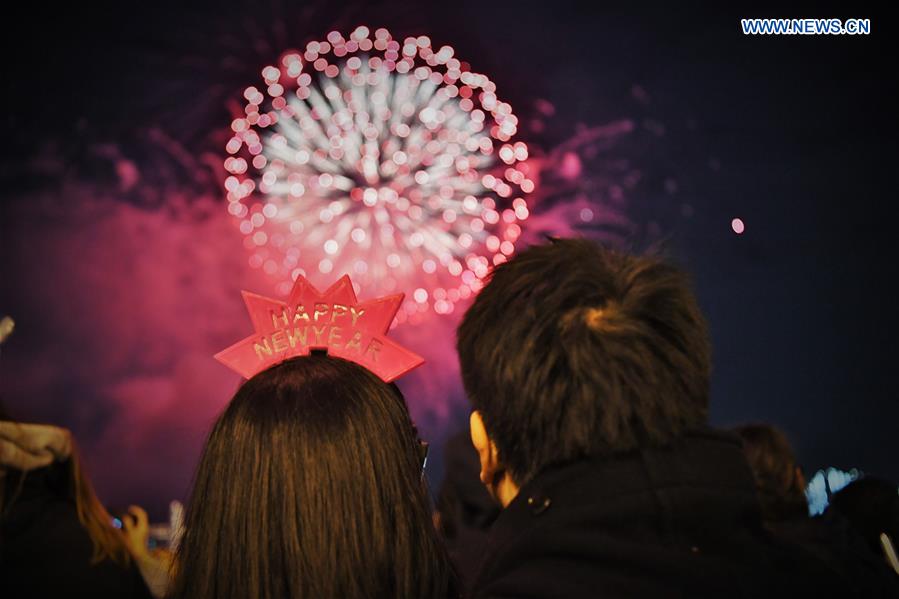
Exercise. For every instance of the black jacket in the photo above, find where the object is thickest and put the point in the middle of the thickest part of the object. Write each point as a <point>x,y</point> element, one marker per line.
<point>675,522</point>
<point>466,509</point>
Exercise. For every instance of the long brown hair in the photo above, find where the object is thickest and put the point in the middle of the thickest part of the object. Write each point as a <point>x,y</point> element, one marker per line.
<point>108,541</point>
<point>75,486</point>
<point>310,487</point>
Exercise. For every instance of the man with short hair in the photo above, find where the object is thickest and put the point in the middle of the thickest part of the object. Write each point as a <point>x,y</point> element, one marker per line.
<point>588,370</point>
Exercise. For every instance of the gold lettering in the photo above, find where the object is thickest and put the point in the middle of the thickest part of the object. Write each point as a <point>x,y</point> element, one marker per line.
<point>282,317</point>
<point>354,343</point>
<point>374,347</point>
<point>262,348</point>
<point>355,314</point>
<point>337,310</point>
<point>318,335</point>
<point>320,310</point>
<point>300,314</point>
<point>298,337</point>
<point>279,341</point>
<point>334,338</point>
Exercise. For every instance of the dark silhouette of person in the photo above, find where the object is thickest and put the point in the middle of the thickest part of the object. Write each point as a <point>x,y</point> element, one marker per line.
<point>588,371</point>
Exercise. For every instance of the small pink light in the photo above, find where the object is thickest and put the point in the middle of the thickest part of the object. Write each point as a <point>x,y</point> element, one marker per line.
<point>271,73</point>
<point>233,145</point>
<point>738,226</point>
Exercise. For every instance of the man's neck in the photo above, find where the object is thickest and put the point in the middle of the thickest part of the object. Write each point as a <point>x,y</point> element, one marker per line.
<point>506,490</point>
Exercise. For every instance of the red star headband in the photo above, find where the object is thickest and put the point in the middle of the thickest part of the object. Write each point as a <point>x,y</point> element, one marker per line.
<point>310,320</point>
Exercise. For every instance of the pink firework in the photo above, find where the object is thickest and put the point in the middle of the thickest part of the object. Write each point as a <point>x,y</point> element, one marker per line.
<point>387,160</point>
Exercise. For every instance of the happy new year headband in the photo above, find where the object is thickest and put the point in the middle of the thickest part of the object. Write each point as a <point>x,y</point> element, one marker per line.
<point>333,321</point>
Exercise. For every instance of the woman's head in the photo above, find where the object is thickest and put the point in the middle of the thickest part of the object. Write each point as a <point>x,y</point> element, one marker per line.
<point>310,486</point>
<point>778,479</point>
<point>65,478</point>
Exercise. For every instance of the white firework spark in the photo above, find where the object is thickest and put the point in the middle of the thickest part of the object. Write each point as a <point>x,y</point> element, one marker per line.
<point>389,161</point>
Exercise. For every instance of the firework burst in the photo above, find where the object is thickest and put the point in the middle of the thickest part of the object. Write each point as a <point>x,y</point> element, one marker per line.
<point>388,160</point>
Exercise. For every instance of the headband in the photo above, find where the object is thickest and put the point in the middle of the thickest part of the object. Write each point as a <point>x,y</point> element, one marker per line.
<point>333,321</point>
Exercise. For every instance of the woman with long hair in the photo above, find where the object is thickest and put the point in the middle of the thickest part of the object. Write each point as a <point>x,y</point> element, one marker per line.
<point>56,538</point>
<point>310,486</point>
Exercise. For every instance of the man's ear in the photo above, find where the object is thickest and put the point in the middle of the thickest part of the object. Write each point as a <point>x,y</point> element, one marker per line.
<point>487,452</point>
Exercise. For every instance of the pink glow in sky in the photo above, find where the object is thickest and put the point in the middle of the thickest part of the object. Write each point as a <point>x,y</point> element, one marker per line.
<point>124,289</point>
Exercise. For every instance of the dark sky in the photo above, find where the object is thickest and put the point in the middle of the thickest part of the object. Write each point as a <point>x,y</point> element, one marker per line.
<point>794,135</point>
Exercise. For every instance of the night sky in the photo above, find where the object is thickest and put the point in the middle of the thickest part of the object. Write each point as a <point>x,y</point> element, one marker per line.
<point>793,135</point>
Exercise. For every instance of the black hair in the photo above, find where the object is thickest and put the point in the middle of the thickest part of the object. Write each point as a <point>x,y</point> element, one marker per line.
<point>574,349</point>
<point>780,488</point>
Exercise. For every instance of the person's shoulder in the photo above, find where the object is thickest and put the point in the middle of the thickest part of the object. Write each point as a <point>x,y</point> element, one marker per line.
<point>539,546</point>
